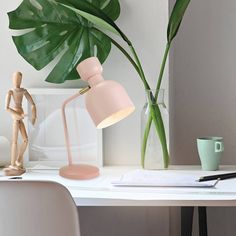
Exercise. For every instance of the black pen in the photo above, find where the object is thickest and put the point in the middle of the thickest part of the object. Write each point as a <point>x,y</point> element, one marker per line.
<point>220,177</point>
<point>16,177</point>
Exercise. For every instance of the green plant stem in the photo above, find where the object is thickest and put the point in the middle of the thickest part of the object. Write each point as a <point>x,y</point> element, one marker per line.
<point>155,113</point>
<point>146,85</point>
<point>150,118</point>
<point>127,55</point>
<point>163,64</point>
<point>136,64</point>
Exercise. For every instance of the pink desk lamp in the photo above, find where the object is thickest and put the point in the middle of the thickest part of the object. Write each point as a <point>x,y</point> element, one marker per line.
<point>107,103</point>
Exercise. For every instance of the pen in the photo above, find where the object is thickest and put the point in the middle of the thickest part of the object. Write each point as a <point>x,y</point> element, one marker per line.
<point>220,176</point>
<point>16,177</point>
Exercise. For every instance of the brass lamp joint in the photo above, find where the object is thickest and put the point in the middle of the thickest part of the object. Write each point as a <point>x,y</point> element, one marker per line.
<point>84,90</point>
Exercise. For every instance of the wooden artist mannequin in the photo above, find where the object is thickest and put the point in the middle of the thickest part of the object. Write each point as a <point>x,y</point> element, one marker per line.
<point>17,113</point>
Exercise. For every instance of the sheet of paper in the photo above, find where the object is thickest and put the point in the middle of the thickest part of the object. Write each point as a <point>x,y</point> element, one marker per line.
<point>162,178</point>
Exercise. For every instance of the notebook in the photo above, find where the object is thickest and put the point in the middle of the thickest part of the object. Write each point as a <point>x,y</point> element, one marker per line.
<point>162,178</point>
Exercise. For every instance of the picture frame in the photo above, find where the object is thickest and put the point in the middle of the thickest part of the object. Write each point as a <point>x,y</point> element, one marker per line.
<point>46,147</point>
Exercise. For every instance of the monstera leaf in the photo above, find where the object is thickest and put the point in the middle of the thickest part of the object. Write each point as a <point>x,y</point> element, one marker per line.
<point>54,30</point>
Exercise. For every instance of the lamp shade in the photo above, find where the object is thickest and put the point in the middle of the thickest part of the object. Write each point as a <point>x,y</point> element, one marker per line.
<point>107,101</point>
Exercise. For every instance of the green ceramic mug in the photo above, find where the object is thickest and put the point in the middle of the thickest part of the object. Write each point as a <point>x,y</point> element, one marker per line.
<point>210,150</point>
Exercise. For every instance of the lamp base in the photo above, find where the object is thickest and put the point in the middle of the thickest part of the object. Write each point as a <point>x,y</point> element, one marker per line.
<point>79,171</point>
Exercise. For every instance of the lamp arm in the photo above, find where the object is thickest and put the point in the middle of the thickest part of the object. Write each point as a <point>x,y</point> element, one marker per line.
<point>67,139</point>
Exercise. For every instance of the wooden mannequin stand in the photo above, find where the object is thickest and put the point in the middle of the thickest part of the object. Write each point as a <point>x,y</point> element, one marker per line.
<point>17,113</point>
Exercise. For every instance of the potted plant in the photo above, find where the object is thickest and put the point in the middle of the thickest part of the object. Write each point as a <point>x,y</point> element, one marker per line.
<point>77,29</point>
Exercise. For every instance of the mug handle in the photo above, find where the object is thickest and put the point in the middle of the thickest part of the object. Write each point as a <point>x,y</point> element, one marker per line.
<point>219,147</point>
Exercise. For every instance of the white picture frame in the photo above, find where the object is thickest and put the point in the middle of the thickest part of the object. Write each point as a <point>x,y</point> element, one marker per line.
<point>46,147</point>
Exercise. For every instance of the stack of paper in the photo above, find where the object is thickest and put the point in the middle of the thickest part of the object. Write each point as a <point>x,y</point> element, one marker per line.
<point>154,178</point>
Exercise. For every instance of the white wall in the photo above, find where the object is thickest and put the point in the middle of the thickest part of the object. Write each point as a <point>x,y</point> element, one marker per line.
<point>145,24</point>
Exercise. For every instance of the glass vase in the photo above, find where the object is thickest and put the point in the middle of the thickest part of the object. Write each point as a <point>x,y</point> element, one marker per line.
<point>153,155</point>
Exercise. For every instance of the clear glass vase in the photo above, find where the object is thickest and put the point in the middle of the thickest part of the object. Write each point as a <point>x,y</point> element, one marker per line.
<point>153,156</point>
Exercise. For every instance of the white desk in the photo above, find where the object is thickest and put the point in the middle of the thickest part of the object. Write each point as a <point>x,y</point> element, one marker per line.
<point>100,192</point>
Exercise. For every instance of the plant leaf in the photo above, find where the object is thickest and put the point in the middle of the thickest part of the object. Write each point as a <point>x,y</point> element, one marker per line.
<point>111,10</point>
<point>53,30</point>
<point>77,52</point>
<point>94,15</point>
<point>176,18</point>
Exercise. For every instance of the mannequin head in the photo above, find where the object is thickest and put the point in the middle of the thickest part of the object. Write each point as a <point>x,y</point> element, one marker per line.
<point>16,79</point>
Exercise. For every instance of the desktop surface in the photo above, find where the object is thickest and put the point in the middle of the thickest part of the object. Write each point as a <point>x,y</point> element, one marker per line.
<point>100,191</point>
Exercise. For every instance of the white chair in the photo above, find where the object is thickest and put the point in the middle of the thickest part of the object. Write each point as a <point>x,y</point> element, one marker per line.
<point>37,208</point>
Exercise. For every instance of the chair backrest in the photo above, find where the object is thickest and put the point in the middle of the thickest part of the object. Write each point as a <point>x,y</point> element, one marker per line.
<point>37,208</point>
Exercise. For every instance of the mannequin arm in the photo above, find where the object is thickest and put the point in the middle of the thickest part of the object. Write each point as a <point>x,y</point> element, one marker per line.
<point>33,107</point>
<point>7,106</point>
<point>8,100</point>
